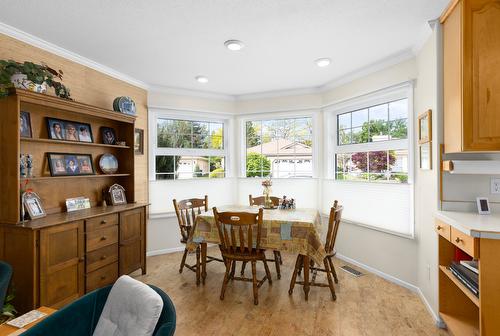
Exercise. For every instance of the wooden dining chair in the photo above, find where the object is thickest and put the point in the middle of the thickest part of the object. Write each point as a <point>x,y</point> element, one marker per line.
<point>333,227</point>
<point>187,210</point>
<point>239,234</point>
<point>277,255</point>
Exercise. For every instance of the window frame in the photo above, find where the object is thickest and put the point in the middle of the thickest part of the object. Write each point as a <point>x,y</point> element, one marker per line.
<point>394,93</point>
<point>155,115</point>
<point>314,114</point>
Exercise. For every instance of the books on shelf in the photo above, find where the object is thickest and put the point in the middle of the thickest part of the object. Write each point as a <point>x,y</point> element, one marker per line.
<point>470,264</point>
<point>469,278</point>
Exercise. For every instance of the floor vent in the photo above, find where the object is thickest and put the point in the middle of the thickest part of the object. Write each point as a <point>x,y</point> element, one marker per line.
<point>351,271</point>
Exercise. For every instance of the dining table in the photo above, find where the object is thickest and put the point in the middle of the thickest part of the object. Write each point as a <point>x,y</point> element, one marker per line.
<point>289,230</point>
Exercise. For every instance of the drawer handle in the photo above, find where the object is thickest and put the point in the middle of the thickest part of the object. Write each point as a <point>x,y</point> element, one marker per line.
<point>103,277</point>
<point>103,238</point>
<point>458,240</point>
<point>104,221</point>
<point>439,227</point>
<point>103,257</point>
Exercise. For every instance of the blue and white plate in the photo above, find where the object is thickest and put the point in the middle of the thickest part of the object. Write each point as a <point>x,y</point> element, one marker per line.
<point>124,105</point>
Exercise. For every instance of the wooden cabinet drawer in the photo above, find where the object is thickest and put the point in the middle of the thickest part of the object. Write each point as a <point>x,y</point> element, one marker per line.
<point>97,223</point>
<point>103,237</point>
<point>443,229</point>
<point>466,243</point>
<point>102,257</point>
<point>102,277</point>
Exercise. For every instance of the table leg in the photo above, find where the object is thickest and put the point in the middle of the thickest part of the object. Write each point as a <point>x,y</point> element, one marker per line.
<point>203,262</point>
<point>197,265</point>
<point>306,276</point>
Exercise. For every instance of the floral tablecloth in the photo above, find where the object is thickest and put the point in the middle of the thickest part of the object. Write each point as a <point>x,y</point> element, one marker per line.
<point>297,231</point>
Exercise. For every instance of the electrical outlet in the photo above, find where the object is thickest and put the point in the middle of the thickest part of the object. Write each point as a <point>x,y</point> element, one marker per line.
<point>495,186</point>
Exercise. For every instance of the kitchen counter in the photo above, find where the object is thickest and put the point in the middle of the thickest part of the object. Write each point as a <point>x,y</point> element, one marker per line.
<point>472,224</point>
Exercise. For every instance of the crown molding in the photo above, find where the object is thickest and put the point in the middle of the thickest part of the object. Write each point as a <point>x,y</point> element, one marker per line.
<point>52,48</point>
<point>369,69</point>
<point>277,93</point>
<point>191,93</point>
<point>344,79</point>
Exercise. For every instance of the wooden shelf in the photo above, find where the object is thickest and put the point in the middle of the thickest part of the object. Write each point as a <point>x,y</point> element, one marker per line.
<point>72,143</point>
<point>43,178</point>
<point>459,325</point>
<point>461,286</point>
<point>70,106</point>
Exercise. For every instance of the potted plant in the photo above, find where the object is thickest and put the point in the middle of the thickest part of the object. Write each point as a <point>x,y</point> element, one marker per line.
<point>30,76</point>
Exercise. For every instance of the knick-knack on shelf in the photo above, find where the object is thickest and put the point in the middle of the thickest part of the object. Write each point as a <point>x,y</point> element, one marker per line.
<point>29,165</point>
<point>22,165</point>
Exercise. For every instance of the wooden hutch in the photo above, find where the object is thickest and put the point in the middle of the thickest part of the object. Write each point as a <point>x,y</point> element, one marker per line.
<point>62,256</point>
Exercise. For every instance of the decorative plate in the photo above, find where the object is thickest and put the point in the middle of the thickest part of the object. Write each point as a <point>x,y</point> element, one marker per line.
<point>108,163</point>
<point>124,105</point>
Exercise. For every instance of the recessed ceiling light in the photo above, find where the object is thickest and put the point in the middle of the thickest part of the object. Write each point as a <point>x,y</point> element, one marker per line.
<point>323,62</point>
<point>201,79</point>
<point>234,45</point>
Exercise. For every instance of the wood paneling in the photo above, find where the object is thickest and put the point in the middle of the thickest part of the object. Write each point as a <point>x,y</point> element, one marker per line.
<point>89,86</point>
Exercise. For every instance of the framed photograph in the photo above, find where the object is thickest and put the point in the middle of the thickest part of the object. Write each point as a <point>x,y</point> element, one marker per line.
<point>66,164</point>
<point>139,141</point>
<point>483,206</point>
<point>58,129</point>
<point>108,163</point>
<point>25,125</point>
<point>108,136</point>
<point>33,205</point>
<point>425,156</point>
<point>117,194</point>
<point>77,203</point>
<point>425,127</point>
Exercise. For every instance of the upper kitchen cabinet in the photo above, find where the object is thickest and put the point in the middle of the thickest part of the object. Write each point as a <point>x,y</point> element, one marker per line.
<point>471,36</point>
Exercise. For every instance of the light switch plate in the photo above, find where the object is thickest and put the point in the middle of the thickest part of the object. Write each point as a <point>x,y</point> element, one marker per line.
<point>495,186</point>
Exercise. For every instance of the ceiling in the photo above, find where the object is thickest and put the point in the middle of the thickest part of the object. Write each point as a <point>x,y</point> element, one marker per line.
<point>170,42</point>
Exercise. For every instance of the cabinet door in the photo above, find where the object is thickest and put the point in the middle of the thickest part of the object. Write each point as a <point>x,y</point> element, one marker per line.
<point>132,241</point>
<point>61,264</point>
<point>481,76</point>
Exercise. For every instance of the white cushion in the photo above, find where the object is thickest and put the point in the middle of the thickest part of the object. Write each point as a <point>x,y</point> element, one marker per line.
<point>132,309</point>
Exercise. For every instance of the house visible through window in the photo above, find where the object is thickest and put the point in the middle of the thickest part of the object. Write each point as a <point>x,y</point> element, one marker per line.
<point>279,148</point>
<point>372,143</point>
<point>188,149</point>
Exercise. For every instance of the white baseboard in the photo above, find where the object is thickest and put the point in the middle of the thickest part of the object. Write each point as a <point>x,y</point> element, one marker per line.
<point>397,281</point>
<point>164,251</point>
<point>381,274</point>
<point>435,316</point>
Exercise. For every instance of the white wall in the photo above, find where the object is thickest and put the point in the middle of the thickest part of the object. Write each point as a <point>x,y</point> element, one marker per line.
<point>426,192</point>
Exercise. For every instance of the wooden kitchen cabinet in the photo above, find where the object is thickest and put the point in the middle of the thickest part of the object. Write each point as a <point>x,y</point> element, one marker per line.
<point>471,61</point>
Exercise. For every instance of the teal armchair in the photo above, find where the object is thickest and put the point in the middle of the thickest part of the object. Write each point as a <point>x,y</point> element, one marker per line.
<point>80,317</point>
<point>5,275</point>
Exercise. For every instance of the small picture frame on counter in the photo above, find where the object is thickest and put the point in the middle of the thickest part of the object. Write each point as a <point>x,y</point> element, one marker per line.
<point>483,206</point>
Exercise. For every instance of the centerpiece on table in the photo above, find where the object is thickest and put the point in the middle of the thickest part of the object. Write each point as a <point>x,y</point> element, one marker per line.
<point>268,203</point>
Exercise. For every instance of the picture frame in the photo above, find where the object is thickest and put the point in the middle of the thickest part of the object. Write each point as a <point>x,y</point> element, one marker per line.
<point>139,141</point>
<point>66,130</point>
<point>68,164</point>
<point>117,195</point>
<point>483,205</point>
<point>77,203</point>
<point>25,125</point>
<point>425,156</point>
<point>33,205</point>
<point>425,127</point>
<point>108,135</point>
